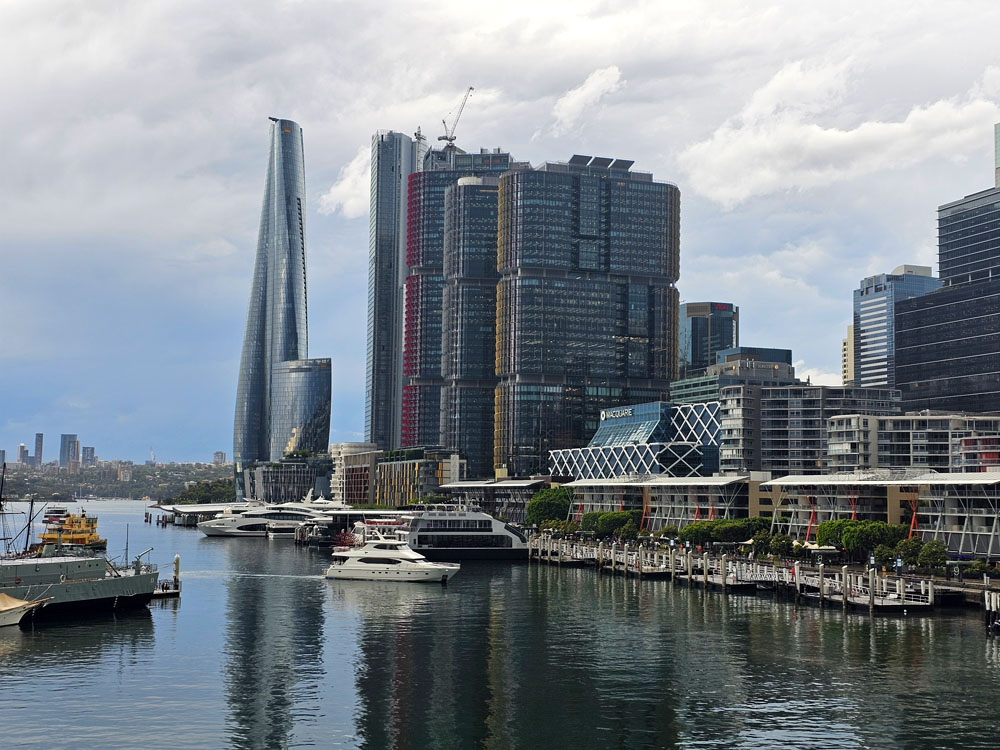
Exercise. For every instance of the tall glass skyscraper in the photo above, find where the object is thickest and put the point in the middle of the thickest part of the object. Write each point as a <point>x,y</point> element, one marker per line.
<point>282,398</point>
<point>393,160</point>
<point>424,288</point>
<point>468,342</point>
<point>588,255</point>
<point>874,329</point>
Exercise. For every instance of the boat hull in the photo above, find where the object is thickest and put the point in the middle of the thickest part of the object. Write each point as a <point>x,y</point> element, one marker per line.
<point>87,595</point>
<point>335,572</point>
<point>13,616</point>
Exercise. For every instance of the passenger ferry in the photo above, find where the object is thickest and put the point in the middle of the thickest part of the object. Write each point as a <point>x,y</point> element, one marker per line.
<point>460,532</point>
<point>73,532</point>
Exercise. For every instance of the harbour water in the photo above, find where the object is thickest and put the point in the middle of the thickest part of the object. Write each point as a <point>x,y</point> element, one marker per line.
<point>261,651</point>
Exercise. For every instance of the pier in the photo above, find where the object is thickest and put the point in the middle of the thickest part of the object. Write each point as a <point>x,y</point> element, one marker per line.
<point>819,585</point>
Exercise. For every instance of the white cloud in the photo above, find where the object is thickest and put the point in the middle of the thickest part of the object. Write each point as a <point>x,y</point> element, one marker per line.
<point>815,375</point>
<point>571,105</point>
<point>776,143</point>
<point>350,193</point>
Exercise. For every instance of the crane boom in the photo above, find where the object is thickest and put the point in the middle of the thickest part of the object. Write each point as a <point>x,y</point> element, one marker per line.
<point>449,133</point>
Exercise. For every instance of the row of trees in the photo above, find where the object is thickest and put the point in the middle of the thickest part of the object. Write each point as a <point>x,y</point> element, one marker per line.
<point>217,491</point>
<point>549,508</point>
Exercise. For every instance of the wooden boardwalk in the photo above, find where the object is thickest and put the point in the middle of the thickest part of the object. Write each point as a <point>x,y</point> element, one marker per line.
<point>822,585</point>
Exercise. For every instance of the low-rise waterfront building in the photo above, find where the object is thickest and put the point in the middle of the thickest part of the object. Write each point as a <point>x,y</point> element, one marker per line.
<point>666,501</point>
<point>654,438</point>
<point>962,509</point>
<point>353,466</point>
<point>506,499</point>
<point>288,480</point>
<point>412,474</point>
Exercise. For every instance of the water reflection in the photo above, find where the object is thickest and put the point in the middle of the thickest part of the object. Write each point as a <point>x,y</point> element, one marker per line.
<point>274,643</point>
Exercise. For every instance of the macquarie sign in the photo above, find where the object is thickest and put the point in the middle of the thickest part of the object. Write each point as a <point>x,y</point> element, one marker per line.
<point>615,413</point>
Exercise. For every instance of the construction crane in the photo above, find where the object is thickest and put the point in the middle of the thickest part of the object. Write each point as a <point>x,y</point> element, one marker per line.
<point>449,133</point>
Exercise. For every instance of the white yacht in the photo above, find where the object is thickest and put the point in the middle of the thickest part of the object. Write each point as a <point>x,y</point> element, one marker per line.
<point>258,521</point>
<point>387,560</point>
<point>461,532</point>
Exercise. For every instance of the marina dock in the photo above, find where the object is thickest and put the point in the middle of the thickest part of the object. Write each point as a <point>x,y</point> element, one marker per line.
<point>819,585</point>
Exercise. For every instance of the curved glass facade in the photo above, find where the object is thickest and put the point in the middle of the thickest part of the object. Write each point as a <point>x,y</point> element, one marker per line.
<point>300,406</point>
<point>276,329</point>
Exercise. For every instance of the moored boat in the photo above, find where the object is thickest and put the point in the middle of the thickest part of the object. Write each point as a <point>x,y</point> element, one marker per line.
<point>12,609</point>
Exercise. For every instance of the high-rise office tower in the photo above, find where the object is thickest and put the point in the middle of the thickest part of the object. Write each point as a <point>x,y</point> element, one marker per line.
<point>874,327</point>
<point>948,341</point>
<point>67,446</point>
<point>706,328</point>
<point>87,456</point>
<point>468,343</point>
<point>3,457</point>
<point>38,461</point>
<point>393,160</point>
<point>282,398</point>
<point>421,417</point>
<point>22,454</point>
<point>588,255</point>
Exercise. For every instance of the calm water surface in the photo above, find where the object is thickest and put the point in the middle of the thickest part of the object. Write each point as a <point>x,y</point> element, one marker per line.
<point>261,651</point>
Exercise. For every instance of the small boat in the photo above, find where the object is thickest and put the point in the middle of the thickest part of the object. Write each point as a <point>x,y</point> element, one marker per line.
<point>13,609</point>
<point>387,560</point>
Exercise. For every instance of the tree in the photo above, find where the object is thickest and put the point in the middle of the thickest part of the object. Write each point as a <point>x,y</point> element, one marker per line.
<point>885,555</point>
<point>762,543</point>
<point>550,504</point>
<point>781,545</point>
<point>629,530</point>
<point>909,549</point>
<point>933,555</point>
<point>588,522</point>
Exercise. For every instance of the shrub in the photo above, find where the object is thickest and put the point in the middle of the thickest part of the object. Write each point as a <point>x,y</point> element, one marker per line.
<point>609,523</point>
<point>781,545</point>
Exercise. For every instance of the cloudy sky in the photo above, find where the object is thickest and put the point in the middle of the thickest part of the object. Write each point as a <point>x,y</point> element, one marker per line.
<point>811,143</point>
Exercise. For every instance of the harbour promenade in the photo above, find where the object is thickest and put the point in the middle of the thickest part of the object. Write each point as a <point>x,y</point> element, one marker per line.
<point>822,585</point>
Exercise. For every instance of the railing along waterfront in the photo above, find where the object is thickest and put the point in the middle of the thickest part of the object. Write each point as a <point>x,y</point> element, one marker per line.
<point>822,584</point>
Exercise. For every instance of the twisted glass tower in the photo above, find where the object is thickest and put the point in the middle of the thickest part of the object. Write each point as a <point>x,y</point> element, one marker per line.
<point>282,397</point>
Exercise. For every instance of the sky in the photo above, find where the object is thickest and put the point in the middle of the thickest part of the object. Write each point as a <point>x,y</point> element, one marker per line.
<point>812,144</point>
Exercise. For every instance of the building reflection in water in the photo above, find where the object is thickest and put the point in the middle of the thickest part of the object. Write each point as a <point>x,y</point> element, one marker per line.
<point>274,644</point>
<point>461,668</point>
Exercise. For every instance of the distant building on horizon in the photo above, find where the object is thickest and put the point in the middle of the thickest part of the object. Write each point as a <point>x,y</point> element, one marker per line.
<point>847,358</point>
<point>706,328</point>
<point>219,458</point>
<point>874,331</point>
<point>948,341</point>
<point>37,458</point>
<point>282,398</point>
<point>67,449</point>
<point>3,456</point>
<point>87,456</point>
<point>23,457</point>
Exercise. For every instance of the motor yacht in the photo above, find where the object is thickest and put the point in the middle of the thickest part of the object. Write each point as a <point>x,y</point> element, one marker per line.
<point>387,560</point>
<point>256,522</point>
